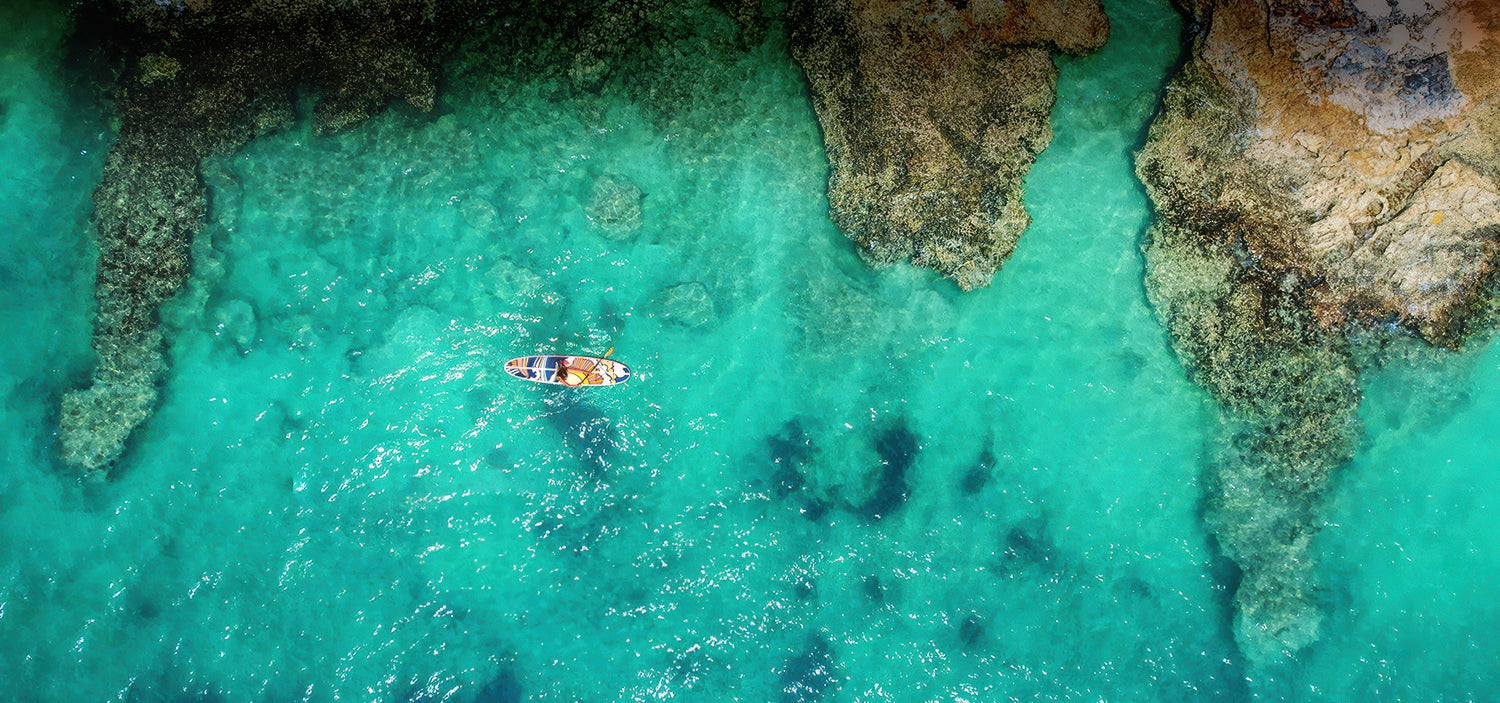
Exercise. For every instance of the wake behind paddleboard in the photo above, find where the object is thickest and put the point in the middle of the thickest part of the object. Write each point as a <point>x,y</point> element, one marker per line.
<point>570,371</point>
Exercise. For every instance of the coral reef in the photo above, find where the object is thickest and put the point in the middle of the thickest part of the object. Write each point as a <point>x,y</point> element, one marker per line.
<point>932,114</point>
<point>1318,167</point>
<point>205,77</point>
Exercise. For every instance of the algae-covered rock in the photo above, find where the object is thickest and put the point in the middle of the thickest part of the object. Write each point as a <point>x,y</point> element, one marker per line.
<point>1362,148</point>
<point>155,67</point>
<point>1317,168</point>
<point>932,114</point>
<point>202,78</point>
<point>100,418</point>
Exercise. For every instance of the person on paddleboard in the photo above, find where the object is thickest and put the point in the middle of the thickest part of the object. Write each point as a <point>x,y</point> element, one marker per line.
<point>569,376</point>
<point>572,372</point>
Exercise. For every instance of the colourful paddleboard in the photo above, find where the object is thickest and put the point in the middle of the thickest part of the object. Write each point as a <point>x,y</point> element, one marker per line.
<point>571,371</point>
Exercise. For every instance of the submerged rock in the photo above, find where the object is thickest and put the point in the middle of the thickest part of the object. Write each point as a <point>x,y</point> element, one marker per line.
<point>97,420</point>
<point>508,282</point>
<point>615,206</point>
<point>874,484</point>
<point>1027,546</point>
<point>1317,167</point>
<point>971,632</point>
<point>478,213</point>
<point>687,304</point>
<point>932,114</point>
<point>235,320</point>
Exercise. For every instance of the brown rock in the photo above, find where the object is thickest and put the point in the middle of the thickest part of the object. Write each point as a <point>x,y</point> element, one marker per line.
<point>1319,166</point>
<point>932,113</point>
<point>1363,119</point>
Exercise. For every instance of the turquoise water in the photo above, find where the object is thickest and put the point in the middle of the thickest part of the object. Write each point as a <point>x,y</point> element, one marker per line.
<point>343,497</point>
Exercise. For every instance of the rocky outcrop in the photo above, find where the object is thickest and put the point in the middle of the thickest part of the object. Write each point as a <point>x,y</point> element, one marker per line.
<point>1319,167</point>
<point>932,113</point>
<point>202,77</point>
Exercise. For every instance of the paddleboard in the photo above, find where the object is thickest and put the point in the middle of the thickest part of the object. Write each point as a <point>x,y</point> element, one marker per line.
<point>571,371</point>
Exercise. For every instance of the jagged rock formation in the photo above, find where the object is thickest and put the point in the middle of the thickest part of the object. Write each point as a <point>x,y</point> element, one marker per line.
<point>1318,167</point>
<point>932,112</point>
<point>205,76</point>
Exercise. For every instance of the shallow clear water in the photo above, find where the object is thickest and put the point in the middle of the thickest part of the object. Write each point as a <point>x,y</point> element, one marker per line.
<point>343,497</point>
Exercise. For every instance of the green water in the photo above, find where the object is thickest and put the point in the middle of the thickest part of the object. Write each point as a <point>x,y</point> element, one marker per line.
<point>342,497</point>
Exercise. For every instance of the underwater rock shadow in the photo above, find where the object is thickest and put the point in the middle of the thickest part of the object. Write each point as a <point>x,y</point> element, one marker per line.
<point>789,450</point>
<point>586,430</point>
<point>811,674</point>
<point>978,476</point>
<point>971,632</point>
<point>580,534</point>
<point>1027,547</point>
<point>897,446</point>
<point>505,687</point>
